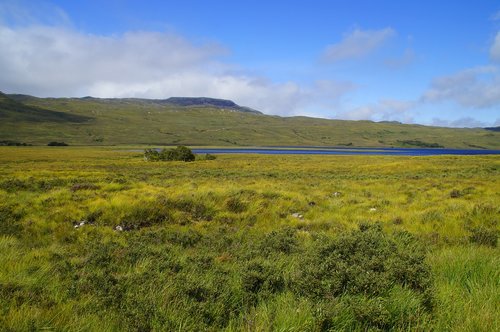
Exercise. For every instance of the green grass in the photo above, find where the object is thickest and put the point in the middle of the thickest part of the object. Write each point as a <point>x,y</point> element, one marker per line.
<point>123,121</point>
<point>213,244</point>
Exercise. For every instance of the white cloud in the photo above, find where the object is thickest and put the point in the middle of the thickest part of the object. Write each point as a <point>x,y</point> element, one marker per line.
<point>474,88</point>
<point>56,61</point>
<point>383,110</point>
<point>495,48</point>
<point>357,43</point>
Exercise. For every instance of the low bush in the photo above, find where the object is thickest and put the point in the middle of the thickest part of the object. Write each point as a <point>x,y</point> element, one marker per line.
<point>180,153</point>
<point>57,144</point>
<point>209,156</point>
<point>484,236</point>
<point>9,221</point>
<point>358,272</point>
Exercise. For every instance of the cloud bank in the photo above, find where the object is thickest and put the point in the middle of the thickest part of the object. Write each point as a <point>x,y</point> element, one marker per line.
<point>477,88</point>
<point>60,61</point>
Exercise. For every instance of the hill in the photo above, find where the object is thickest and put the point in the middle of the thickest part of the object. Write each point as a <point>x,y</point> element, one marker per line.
<point>12,111</point>
<point>207,121</point>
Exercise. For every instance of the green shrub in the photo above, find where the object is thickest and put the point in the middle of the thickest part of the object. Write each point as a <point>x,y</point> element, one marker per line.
<point>151,155</point>
<point>236,205</point>
<point>484,236</point>
<point>57,144</point>
<point>361,270</point>
<point>9,221</point>
<point>283,241</point>
<point>180,153</point>
<point>260,278</point>
<point>145,214</point>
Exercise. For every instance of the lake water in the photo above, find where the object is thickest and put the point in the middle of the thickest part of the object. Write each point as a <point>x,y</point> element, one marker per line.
<point>348,151</point>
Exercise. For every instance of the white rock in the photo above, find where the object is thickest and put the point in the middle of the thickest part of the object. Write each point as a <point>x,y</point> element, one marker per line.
<point>297,215</point>
<point>373,209</point>
<point>119,228</point>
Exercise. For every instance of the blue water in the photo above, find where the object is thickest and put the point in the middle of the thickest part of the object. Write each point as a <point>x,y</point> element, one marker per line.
<point>350,151</point>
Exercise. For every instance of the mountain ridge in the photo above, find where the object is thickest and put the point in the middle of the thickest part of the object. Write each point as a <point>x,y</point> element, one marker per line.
<point>208,121</point>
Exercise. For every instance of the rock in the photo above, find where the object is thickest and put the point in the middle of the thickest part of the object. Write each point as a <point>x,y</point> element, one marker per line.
<point>297,215</point>
<point>373,209</point>
<point>337,194</point>
<point>119,228</point>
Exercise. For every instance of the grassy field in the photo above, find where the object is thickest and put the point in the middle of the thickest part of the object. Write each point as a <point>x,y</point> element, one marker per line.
<point>247,242</point>
<point>84,121</point>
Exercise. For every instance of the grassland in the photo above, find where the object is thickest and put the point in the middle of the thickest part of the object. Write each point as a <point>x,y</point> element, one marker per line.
<point>90,121</point>
<point>384,243</point>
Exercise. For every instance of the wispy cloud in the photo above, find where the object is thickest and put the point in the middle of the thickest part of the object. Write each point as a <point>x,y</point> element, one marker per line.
<point>495,48</point>
<point>356,44</point>
<point>406,59</point>
<point>496,16</point>
<point>473,88</point>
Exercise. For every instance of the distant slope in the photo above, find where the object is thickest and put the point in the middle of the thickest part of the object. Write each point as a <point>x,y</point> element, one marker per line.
<point>493,128</point>
<point>12,111</point>
<point>206,121</point>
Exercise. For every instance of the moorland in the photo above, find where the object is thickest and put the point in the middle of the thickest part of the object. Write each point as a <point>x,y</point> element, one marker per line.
<point>99,239</point>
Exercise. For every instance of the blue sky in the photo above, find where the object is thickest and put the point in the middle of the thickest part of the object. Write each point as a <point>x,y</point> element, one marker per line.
<point>421,62</point>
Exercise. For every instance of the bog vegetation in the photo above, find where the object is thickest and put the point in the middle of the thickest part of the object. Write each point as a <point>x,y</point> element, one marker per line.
<point>101,240</point>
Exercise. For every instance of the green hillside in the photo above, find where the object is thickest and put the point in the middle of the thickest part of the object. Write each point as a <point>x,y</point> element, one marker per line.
<point>93,121</point>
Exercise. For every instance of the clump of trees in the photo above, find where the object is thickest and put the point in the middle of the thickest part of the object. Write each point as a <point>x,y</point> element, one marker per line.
<point>180,153</point>
<point>57,144</point>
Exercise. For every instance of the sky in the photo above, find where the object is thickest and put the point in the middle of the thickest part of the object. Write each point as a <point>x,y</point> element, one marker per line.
<point>425,62</point>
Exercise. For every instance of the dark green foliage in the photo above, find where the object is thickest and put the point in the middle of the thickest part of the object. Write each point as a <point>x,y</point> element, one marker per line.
<point>151,155</point>
<point>419,144</point>
<point>180,153</point>
<point>15,184</point>
<point>146,214</point>
<point>235,204</point>
<point>13,143</point>
<point>209,156</point>
<point>54,143</point>
<point>261,278</point>
<point>367,262</point>
<point>280,241</point>
<point>361,270</point>
<point>9,220</point>
<point>83,186</point>
<point>484,236</point>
